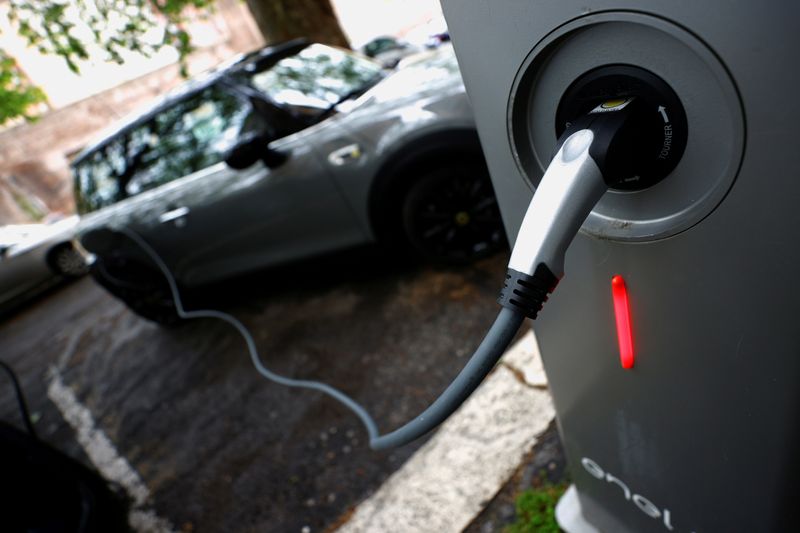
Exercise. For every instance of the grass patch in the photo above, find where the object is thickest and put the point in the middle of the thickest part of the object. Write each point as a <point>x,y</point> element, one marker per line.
<point>536,510</point>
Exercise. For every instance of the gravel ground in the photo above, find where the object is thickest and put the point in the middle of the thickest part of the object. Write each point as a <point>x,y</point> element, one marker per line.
<point>219,448</point>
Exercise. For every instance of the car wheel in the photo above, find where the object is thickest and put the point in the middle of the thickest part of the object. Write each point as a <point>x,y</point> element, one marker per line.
<point>450,214</point>
<point>67,261</point>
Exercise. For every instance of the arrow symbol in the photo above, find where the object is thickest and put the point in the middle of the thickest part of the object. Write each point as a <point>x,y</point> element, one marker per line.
<point>663,111</point>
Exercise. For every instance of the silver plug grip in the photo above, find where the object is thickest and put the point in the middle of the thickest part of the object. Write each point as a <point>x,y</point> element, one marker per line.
<point>570,188</point>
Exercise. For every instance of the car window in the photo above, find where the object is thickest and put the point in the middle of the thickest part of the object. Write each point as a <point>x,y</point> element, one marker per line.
<point>96,184</point>
<point>191,135</point>
<point>315,78</point>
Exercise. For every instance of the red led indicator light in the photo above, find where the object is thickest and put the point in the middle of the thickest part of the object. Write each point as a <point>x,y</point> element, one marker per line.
<point>622,314</point>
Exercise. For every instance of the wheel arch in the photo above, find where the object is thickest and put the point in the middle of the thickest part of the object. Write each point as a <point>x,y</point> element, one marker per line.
<point>397,173</point>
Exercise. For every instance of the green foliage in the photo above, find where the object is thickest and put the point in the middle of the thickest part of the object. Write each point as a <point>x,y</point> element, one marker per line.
<point>536,510</point>
<point>113,25</point>
<point>17,96</point>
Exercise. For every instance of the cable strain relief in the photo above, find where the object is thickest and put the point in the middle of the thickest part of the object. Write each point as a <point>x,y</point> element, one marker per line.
<point>527,294</point>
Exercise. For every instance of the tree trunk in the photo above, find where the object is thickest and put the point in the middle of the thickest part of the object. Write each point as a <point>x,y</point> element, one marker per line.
<point>282,20</point>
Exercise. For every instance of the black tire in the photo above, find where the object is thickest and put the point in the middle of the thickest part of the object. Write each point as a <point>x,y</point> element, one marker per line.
<point>66,261</point>
<point>450,214</point>
<point>141,289</point>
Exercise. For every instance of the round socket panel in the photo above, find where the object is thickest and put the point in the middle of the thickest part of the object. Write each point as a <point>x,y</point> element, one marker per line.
<point>700,99</point>
<point>663,117</point>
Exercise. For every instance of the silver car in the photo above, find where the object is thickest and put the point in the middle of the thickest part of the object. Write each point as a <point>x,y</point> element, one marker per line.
<point>34,256</point>
<point>280,155</point>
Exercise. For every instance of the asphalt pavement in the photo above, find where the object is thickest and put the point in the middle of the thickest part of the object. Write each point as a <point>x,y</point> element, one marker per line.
<point>198,437</point>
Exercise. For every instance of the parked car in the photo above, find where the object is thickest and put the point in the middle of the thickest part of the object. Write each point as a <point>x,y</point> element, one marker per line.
<point>388,51</point>
<point>284,154</point>
<point>34,255</point>
<point>432,34</point>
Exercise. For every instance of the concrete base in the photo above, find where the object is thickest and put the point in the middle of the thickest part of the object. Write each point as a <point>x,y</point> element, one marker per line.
<point>569,515</point>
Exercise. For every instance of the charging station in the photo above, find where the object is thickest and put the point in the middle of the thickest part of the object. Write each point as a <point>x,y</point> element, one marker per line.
<point>675,384</point>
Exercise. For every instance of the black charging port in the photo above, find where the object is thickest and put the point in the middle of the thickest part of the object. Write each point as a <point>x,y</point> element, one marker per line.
<point>664,128</point>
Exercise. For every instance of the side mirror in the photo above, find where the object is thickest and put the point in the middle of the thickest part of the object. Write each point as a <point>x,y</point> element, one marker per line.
<point>251,148</point>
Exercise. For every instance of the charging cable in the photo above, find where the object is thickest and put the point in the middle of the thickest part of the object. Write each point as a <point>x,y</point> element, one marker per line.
<point>595,152</point>
<point>480,364</point>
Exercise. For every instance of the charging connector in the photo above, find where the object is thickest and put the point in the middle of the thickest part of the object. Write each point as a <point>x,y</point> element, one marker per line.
<point>567,193</point>
<point>607,146</point>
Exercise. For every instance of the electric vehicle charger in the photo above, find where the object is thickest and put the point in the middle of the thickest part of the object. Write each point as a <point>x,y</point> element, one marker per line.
<point>605,147</point>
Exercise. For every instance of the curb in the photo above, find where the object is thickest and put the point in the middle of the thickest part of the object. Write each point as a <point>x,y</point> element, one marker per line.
<point>450,479</point>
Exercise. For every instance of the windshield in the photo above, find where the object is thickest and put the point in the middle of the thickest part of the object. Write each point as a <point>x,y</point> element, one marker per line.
<point>316,78</point>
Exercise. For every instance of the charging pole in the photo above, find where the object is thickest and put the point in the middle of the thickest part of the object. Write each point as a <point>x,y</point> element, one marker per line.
<point>671,343</point>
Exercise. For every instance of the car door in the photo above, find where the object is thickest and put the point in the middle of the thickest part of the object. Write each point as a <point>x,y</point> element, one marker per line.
<point>212,221</point>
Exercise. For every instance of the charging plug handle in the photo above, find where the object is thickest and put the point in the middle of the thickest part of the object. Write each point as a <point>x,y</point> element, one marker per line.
<point>604,147</point>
